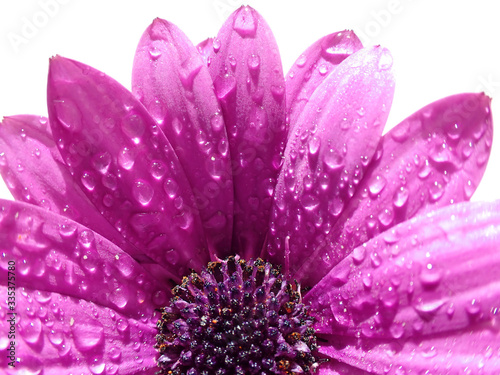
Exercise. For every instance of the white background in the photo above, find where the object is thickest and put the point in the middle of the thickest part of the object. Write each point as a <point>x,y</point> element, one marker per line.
<point>439,48</point>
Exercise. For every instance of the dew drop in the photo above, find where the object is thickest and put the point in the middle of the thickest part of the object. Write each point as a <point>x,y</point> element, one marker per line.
<point>88,181</point>
<point>385,61</point>
<point>314,144</point>
<point>224,86</point>
<point>143,192</point>
<point>309,202</point>
<point>386,217</point>
<point>155,53</point>
<point>400,197</point>
<point>245,23</point>
<point>158,169</point>
<point>101,162</point>
<point>376,259</point>
<point>473,309</point>
<point>333,160</point>
<point>436,191</point>
<point>171,187</point>
<point>430,278</point>
<point>30,330</point>
<point>56,337</point>
<point>133,126</point>
<point>301,61</point>
<point>126,158</point>
<point>377,184</point>
<point>68,114</point>
<point>87,335</point>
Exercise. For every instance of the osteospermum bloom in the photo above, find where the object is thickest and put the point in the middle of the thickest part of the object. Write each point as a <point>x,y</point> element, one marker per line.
<point>301,240</point>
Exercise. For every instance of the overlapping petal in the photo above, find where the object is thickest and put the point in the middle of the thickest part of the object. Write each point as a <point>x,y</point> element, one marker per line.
<point>435,157</point>
<point>248,78</point>
<point>428,288</point>
<point>172,81</point>
<point>125,165</point>
<point>328,152</point>
<point>35,173</point>
<point>57,334</point>
<point>76,262</point>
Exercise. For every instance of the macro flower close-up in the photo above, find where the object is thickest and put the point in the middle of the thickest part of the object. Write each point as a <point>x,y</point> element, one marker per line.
<point>222,217</point>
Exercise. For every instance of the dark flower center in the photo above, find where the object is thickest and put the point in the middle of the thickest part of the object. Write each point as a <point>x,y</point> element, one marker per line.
<point>236,317</point>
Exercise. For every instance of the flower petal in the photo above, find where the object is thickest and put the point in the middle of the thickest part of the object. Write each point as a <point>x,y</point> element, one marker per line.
<point>435,157</point>
<point>35,173</point>
<point>312,68</point>
<point>335,138</point>
<point>173,83</point>
<point>428,288</point>
<point>205,49</point>
<point>473,352</point>
<point>248,78</point>
<point>125,165</point>
<point>55,254</point>
<point>57,334</point>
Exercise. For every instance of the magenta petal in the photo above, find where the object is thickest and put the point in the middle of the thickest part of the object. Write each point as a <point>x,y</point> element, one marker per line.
<point>35,173</point>
<point>57,334</point>
<point>56,254</point>
<point>171,80</point>
<point>248,78</point>
<point>312,68</point>
<point>125,165</point>
<point>205,49</point>
<point>427,288</point>
<point>335,138</point>
<point>435,157</point>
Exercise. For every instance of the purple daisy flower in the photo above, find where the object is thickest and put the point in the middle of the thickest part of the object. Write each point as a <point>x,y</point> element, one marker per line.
<point>220,219</point>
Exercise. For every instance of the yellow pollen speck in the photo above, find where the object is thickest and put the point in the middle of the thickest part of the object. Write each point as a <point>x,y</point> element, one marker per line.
<point>71,322</point>
<point>85,257</point>
<point>117,257</point>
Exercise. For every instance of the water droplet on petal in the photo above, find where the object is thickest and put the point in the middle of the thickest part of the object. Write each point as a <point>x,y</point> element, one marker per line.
<point>224,85</point>
<point>143,192</point>
<point>400,197</point>
<point>88,180</point>
<point>126,158</point>
<point>68,114</point>
<point>385,61</point>
<point>30,330</point>
<point>333,160</point>
<point>87,335</point>
<point>171,187</point>
<point>133,126</point>
<point>245,22</point>
<point>101,162</point>
<point>377,184</point>
<point>155,53</point>
<point>158,169</point>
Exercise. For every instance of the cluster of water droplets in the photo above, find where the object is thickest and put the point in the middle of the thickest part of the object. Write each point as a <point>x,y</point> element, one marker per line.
<point>396,290</point>
<point>134,180</point>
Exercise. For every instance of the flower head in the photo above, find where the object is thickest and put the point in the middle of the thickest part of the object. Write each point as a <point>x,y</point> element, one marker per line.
<point>221,219</point>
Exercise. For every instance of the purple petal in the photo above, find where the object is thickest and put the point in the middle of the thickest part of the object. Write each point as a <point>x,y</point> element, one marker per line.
<point>35,173</point>
<point>435,157</point>
<point>429,287</point>
<point>125,165</point>
<point>171,80</point>
<point>312,68</point>
<point>55,254</point>
<point>248,78</point>
<point>57,334</point>
<point>335,138</point>
<point>205,49</point>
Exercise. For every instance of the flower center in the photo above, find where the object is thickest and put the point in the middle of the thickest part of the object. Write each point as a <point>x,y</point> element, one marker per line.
<point>236,317</point>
